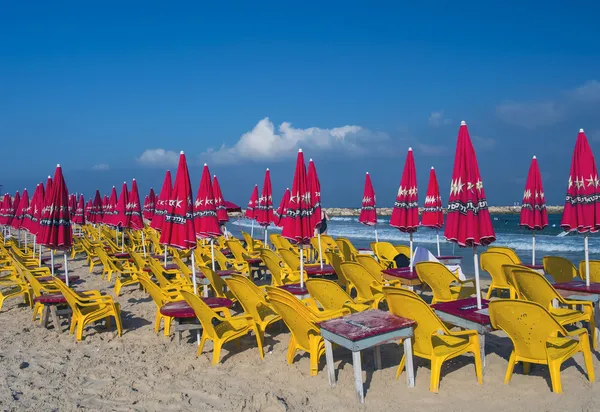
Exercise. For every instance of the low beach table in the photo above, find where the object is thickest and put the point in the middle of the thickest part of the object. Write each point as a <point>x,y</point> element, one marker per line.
<point>295,289</point>
<point>364,330</point>
<point>449,260</point>
<point>577,290</point>
<point>537,268</point>
<point>318,271</point>
<point>203,280</point>
<point>464,313</point>
<point>406,276</point>
<point>365,251</point>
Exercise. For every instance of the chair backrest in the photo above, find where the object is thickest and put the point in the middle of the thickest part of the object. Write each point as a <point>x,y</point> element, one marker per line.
<point>347,250</point>
<point>139,261</point>
<point>275,240</point>
<point>371,265</point>
<point>508,273</point>
<point>274,264</point>
<point>328,293</point>
<point>405,250</point>
<point>335,260</point>
<point>182,266</point>
<point>360,278</point>
<point>527,324</point>
<point>507,251</point>
<point>155,292</point>
<point>203,312</point>
<point>492,263</point>
<point>157,271</point>
<point>250,297</point>
<point>384,250</point>
<point>534,287</point>
<point>594,270</point>
<point>561,269</point>
<point>236,249</point>
<point>407,304</point>
<point>290,259</point>
<point>296,316</point>
<point>438,277</point>
<point>72,299</point>
<point>105,259</point>
<point>218,284</point>
<point>249,241</point>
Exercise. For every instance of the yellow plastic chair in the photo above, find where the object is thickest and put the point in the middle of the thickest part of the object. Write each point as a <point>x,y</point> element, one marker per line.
<point>336,261</point>
<point>492,263</point>
<point>252,245</point>
<point>538,338</point>
<point>292,260</point>
<point>405,250</point>
<point>218,285</point>
<point>241,255</point>
<point>225,330</point>
<point>303,326</point>
<point>18,288</point>
<point>560,268</point>
<point>254,302</point>
<point>88,307</point>
<point>594,270</point>
<point>331,296</point>
<point>432,340</point>
<point>281,274</point>
<point>445,285</point>
<point>347,250</point>
<point>385,253</point>
<point>368,287</point>
<point>507,251</point>
<point>275,240</point>
<point>160,298</point>
<point>534,287</point>
<point>508,273</point>
<point>372,265</point>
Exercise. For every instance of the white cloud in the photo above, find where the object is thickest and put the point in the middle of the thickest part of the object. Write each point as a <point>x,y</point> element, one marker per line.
<point>266,142</point>
<point>530,114</point>
<point>588,92</point>
<point>437,119</point>
<point>158,157</point>
<point>432,150</point>
<point>100,167</point>
<point>483,143</point>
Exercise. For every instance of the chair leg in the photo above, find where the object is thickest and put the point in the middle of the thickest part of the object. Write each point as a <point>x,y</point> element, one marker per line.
<point>400,366</point>
<point>291,350</point>
<point>260,336</point>
<point>587,357</point>
<point>511,366</point>
<point>202,341</point>
<point>526,368</point>
<point>436,367</point>
<point>554,367</point>
<point>118,324</point>
<point>217,344</point>
<point>478,363</point>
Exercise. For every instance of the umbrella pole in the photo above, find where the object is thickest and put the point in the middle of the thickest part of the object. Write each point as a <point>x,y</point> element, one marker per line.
<point>26,249</point>
<point>195,289</point>
<point>212,253</point>
<point>165,264</point>
<point>437,238</point>
<point>476,263</point>
<point>40,265</point>
<point>266,243</point>
<point>587,260</point>
<point>122,240</point>
<point>320,249</point>
<point>301,266</point>
<point>411,252</point>
<point>252,229</point>
<point>533,247</point>
<point>143,244</point>
<point>117,235</point>
<point>52,261</point>
<point>376,238</point>
<point>34,239</point>
<point>66,270</point>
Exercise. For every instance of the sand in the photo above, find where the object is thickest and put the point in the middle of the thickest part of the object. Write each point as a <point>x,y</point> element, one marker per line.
<point>42,369</point>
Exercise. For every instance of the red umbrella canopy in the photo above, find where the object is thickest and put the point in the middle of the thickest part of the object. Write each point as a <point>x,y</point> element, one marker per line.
<point>219,201</point>
<point>28,216</point>
<point>231,207</point>
<point>205,213</point>
<point>264,213</point>
<point>534,215</point>
<point>121,219</point>
<point>72,204</point>
<point>3,209</point>
<point>160,206</point>
<point>405,215</point>
<point>149,205</point>
<point>88,211</point>
<point>582,204</point>
<point>56,223</point>
<point>280,213</point>
<point>14,205</point>
<point>21,210</point>
<point>97,210</point>
<point>110,208</point>
<point>468,221</point>
<point>79,216</point>
<point>314,197</point>
<point>133,209</point>
<point>252,204</point>
<point>178,229</point>
<point>48,184</point>
<point>433,215</point>
<point>38,206</point>
<point>368,210</point>
<point>297,225</point>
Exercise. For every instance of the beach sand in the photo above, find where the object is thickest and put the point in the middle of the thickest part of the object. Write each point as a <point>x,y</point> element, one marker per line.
<point>41,369</point>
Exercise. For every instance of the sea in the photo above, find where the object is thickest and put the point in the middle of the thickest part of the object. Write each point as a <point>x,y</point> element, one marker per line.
<point>549,242</point>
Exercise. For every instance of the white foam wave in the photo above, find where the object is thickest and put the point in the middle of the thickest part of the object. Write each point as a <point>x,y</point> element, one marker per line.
<point>248,223</point>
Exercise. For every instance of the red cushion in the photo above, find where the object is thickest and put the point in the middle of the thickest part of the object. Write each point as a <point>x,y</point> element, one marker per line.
<point>121,255</point>
<point>179,309</point>
<point>295,289</point>
<point>317,270</point>
<point>254,261</point>
<point>52,298</point>
<point>217,302</point>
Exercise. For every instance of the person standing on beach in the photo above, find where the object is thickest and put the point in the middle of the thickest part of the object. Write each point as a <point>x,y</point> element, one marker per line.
<point>322,226</point>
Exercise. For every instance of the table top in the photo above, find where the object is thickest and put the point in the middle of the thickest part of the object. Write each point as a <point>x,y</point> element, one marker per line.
<point>578,286</point>
<point>404,273</point>
<point>318,270</point>
<point>465,309</point>
<point>534,267</point>
<point>448,257</point>
<point>294,289</point>
<point>363,325</point>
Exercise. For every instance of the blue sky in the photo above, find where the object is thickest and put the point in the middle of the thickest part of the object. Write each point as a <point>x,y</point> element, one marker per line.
<point>115,91</point>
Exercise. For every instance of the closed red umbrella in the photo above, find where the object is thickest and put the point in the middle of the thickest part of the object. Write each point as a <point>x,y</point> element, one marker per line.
<point>149,205</point>
<point>468,221</point>
<point>97,210</point>
<point>264,214</point>
<point>72,204</point>
<point>14,205</point>
<point>298,224</point>
<point>40,200</point>
<point>178,228</point>
<point>88,211</point>
<point>582,204</point>
<point>368,210</point>
<point>405,215</point>
<point>205,211</point>
<point>231,207</point>
<point>4,205</point>
<point>56,233</point>
<point>28,216</point>
<point>433,215</point>
<point>79,216</point>
<point>133,209</point>
<point>110,208</point>
<point>20,211</point>
<point>121,219</point>
<point>252,208</point>
<point>534,215</point>
<point>314,197</point>
<point>281,212</point>
<point>219,201</point>
<point>161,205</point>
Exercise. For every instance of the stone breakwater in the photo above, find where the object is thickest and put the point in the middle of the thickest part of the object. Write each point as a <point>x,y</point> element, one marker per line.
<point>387,211</point>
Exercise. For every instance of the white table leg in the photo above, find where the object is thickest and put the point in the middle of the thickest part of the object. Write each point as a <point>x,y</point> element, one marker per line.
<point>408,363</point>
<point>205,289</point>
<point>377,353</point>
<point>329,359</point>
<point>597,319</point>
<point>482,348</point>
<point>358,383</point>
